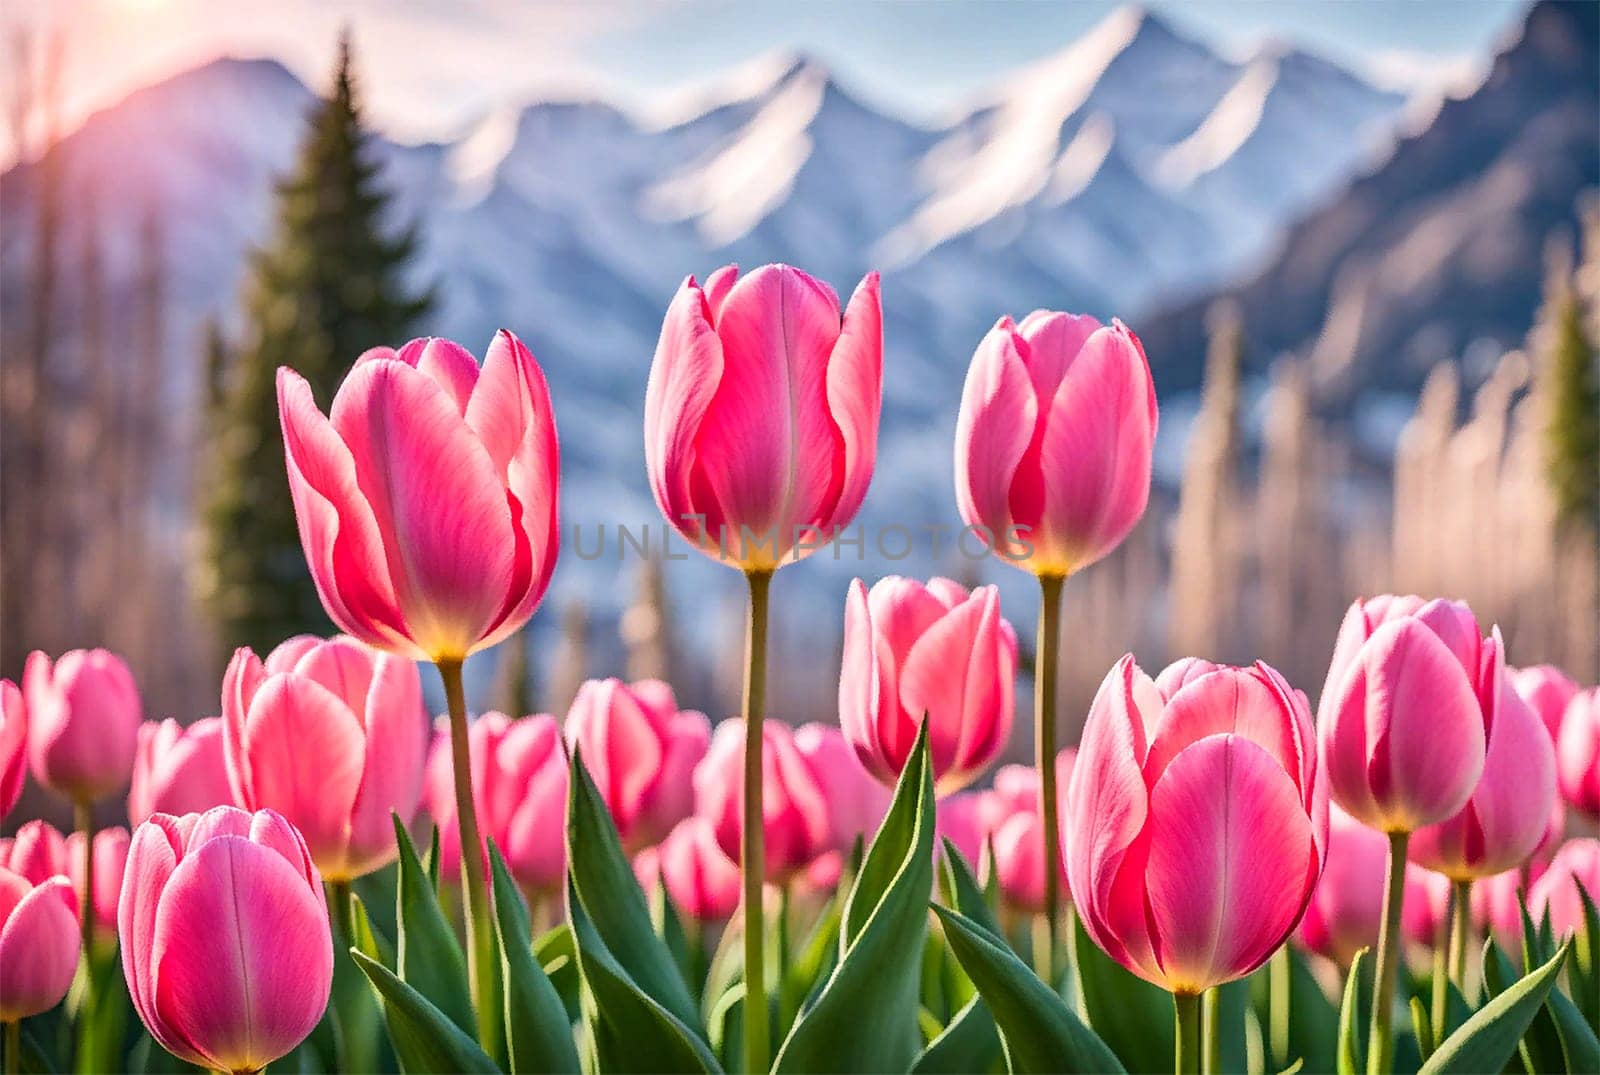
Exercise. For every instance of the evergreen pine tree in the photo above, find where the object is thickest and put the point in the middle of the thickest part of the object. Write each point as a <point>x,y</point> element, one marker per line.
<point>328,285</point>
<point>1566,356</point>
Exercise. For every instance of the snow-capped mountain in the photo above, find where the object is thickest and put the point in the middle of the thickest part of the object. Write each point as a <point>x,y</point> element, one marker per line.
<point>1133,165</point>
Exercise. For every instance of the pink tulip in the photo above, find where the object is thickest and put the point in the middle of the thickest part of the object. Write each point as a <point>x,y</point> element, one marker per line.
<point>912,650</point>
<point>38,944</point>
<point>13,745</point>
<point>856,802</point>
<point>1402,730</point>
<point>358,715</point>
<point>1054,441</point>
<point>225,938</point>
<point>1196,825</point>
<point>1556,891</point>
<point>641,752</point>
<point>761,416</point>
<point>1346,909</point>
<point>794,808</point>
<point>1425,914</point>
<point>962,819</point>
<point>427,498</point>
<point>1548,690</point>
<point>83,722</point>
<point>179,770</point>
<point>1509,811</point>
<point>38,852</point>
<point>110,862</point>
<point>1578,752</point>
<point>702,881</point>
<point>519,787</point>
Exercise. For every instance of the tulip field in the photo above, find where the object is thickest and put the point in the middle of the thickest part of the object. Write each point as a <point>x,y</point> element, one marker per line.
<point>1394,869</point>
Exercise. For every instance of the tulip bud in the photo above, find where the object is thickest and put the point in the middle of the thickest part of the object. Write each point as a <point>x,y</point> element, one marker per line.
<point>179,770</point>
<point>702,881</point>
<point>1555,893</point>
<point>795,809</point>
<point>761,415</point>
<point>1548,690</point>
<point>38,944</point>
<point>1509,811</point>
<point>641,752</point>
<point>1054,440</point>
<point>914,650</point>
<point>1402,730</point>
<point>225,938</point>
<point>1346,909</point>
<point>1578,753</point>
<point>110,861</point>
<point>856,802</point>
<point>359,714</point>
<point>83,722</point>
<point>426,499</point>
<point>13,745</point>
<point>1196,829</point>
<point>519,786</point>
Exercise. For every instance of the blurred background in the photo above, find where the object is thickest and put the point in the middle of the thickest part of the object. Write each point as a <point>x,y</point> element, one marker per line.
<point>1360,242</point>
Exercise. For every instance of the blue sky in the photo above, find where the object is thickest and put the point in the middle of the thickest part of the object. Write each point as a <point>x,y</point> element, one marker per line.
<point>431,66</point>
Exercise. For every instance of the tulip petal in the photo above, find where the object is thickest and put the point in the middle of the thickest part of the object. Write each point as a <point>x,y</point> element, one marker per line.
<point>683,379</point>
<point>337,528</point>
<point>294,718</point>
<point>391,772</point>
<point>153,854</point>
<point>718,284</point>
<point>1406,704</point>
<point>1233,700</point>
<point>855,395</point>
<point>949,674</point>
<point>998,414</point>
<point>1231,861</point>
<point>1095,453</point>
<point>1107,801</point>
<point>511,413</point>
<point>38,948</point>
<point>447,364</point>
<point>242,954</point>
<point>860,684</point>
<point>433,491</point>
<point>623,749</point>
<point>767,445</point>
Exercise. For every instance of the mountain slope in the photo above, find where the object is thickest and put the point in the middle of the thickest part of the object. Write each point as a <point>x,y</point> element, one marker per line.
<point>1439,247</point>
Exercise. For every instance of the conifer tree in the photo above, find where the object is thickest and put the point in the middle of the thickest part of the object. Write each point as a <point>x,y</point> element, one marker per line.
<point>329,283</point>
<point>1571,386</point>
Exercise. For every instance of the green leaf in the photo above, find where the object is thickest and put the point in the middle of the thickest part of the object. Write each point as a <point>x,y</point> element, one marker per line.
<point>1038,1030</point>
<point>600,878</point>
<point>1580,1048</point>
<point>1313,1019</point>
<point>1130,1014</point>
<point>808,972</point>
<point>558,957</point>
<point>1487,1040</point>
<point>970,1041</point>
<point>1351,1058</point>
<point>538,1032</point>
<point>1584,973</point>
<point>632,1031</point>
<point>425,1038</point>
<point>1233,999</point>
<point>427,957</point>
<point>881,940</point>
<point>1422,1026</point>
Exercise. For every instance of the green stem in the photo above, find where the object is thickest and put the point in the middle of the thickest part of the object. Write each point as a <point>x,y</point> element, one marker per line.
<point>480,936</point>
<point>1380,1042</point>
<point>13,1047</point>
<point>1046,661</point>
<point>753,853</point>
<point>83,818</point>
<point>1186,1012</point>
<point>1280,976</point>
<point>1211,1016</point>
<point>1460,932</point>
<point>342,909</point>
